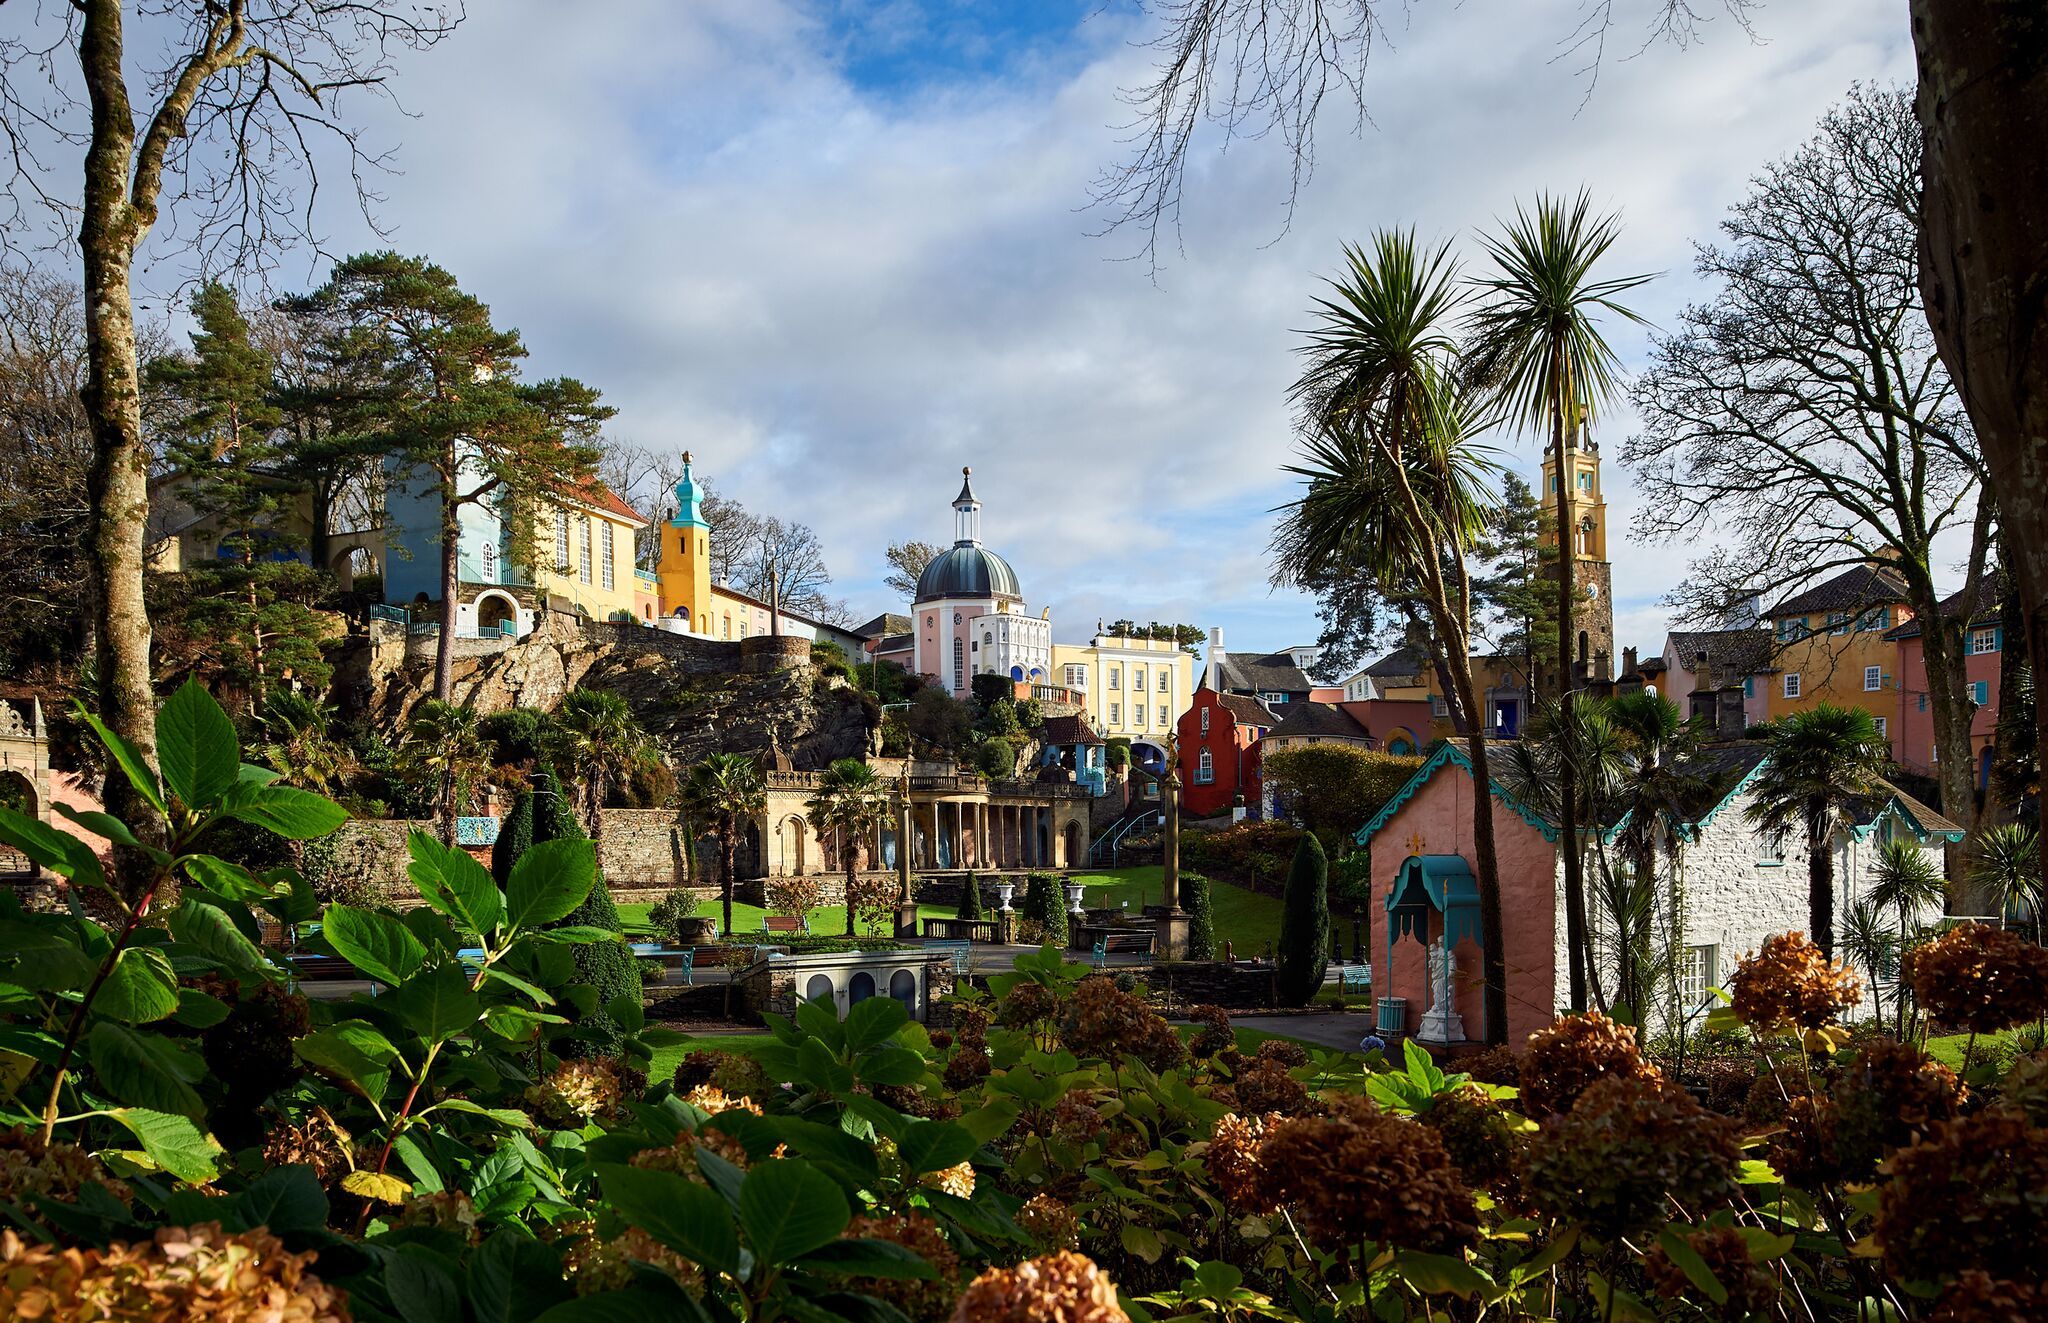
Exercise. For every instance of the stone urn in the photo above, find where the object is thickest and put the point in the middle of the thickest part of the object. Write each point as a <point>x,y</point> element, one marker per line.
<point>1004,890</point>
<point>696,930</point>
<point>1074,890</point>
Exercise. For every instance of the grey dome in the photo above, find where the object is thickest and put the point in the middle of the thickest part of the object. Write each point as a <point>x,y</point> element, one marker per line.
<point>969,570</point>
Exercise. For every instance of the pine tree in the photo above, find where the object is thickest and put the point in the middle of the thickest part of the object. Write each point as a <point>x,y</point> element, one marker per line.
<point>221,419</point>
<point>515,834</point>
<point>1304,953</point>
<point>970,900</point>
<point>1194,898</point>
<point>1045,906</point>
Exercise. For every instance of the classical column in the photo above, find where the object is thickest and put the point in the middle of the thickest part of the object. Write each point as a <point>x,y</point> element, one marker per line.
<point>1171,940</point>
<point>906,904</point>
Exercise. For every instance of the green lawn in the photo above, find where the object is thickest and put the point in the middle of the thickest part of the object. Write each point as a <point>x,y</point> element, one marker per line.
<point>1245,919</point>
<point>827,920</point>
<point>1948,1049</point>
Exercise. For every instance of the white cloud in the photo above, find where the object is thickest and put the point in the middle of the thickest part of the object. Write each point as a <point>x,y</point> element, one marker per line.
<point>837,298</point>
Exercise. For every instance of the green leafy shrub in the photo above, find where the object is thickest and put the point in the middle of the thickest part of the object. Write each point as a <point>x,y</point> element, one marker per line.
<point>1045,908</point>
<point>1304,952</point>
<point>1194,898</point>
<point>970,900</point>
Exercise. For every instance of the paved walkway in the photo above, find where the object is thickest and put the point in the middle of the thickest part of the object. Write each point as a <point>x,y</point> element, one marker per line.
<point>1337,1029</point>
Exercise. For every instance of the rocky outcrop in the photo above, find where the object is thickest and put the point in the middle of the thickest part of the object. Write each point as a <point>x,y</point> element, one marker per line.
<point>695,696</point>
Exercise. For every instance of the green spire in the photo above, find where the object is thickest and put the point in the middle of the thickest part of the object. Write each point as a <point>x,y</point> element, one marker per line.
<point>689,501</point>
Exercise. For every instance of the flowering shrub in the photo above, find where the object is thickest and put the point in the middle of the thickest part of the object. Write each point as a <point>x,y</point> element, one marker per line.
<point>1058,1288</point>
<point>181,1272</point>
<point>1361,1175</point>
<point>1979,978</point>
<point>1572,1054</point>
<point>1968,1196</point>
<point>793,896</point>
<point>1627,1145</point>
<point>1790,985</point>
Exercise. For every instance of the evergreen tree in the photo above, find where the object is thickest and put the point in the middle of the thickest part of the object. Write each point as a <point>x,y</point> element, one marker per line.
<point>970,900</point>
<point>1304,953</point>
<point>515,833</point>
<point>608,967</point>
<point>220,415</point>
<point>1046,906</point>
<point>1194,898</point>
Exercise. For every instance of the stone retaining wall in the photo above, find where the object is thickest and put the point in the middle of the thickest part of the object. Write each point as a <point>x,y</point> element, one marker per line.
<point>1233,987</point>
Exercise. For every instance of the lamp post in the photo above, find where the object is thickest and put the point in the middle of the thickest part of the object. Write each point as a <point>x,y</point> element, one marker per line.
<point>906,904</point>
<point>1171,942</point>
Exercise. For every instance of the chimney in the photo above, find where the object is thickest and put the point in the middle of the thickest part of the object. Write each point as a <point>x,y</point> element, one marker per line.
<point>1733,722</point>
<point>1628,661</point>
<point>1212,676</point>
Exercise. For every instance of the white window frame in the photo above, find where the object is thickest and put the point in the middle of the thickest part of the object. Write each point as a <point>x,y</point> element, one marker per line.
<point>1116,714</point>
<point>608,550</point>
<point>583,551</point>
<point>489,557</point>
<point>1165,677</point>
<point>1698,974</point>
<point>1205,769</point>
<point>1983,640</point>
<point>561,542</point>
<point>1873,679</point>
<point>1116,678</point>
<point>1205,721</point>
<point>1790,688</point>
<point>1137,714</point>
<point>1839,622</point>
<point>1883,728</point>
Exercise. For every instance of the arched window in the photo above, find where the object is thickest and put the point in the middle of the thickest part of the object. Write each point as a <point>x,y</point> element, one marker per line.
<point>859,988</point>
<point>490,560</point>
<point>818,989</point>
<point>1585,645</point>
<point>903,987</point>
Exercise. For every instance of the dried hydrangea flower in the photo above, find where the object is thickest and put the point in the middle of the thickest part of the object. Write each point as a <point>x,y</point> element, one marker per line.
<point>1232,1161</point>
<point>1056,1288</point>
<point>957,1180</point>
<point>925,1299</point>
<point>1790,985</point>
<point>1751,1287</point>
<point>1967,1196</point>
<point>1564,1059</point>
<point>1358,1174</point>
<point>1626,1148</point>
<point>1103,1021</point>
<point>196,1272</point>
<point>1052,1225</point>
<point>1979,978</point>
<point>1978,1297</point>
<point>29,1168</point>
<point>578,1092</point>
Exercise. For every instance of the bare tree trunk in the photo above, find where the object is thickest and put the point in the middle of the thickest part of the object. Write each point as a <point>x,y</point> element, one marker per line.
<point>1493,960</point>
<point>119,480</point>
<point>451,593</point>
<point>1820,877</point>
<point>1983,106</point>
<point>728,847</point>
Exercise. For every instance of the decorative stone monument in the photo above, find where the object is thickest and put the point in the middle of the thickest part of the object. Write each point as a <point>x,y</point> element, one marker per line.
<point>1440,1023</point>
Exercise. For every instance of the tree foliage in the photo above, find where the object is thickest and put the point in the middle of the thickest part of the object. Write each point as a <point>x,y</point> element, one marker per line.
<point>1333,789</point>
<point>1303,956</point>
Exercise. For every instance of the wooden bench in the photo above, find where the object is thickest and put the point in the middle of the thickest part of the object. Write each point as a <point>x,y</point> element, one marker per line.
<point>1138,942</point>
<point>961,951</point>
<point>310,968</point>
<point>1354,978</point>
<point>785,923</point>
<point>961,930</point>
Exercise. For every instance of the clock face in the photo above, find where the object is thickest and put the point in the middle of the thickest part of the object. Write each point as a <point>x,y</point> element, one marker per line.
<point>1593,591</point>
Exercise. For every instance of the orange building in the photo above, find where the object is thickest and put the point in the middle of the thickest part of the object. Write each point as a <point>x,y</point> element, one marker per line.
<point>1830,647</point>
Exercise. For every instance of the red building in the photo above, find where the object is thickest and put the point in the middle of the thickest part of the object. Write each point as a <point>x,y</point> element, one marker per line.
<point>1219,757</point>
<point>1912,731</point>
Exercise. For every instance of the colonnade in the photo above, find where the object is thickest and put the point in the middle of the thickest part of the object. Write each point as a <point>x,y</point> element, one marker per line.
<point>950,833</point>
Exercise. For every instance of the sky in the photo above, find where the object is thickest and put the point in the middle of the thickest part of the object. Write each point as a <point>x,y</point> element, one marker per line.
<point>840,250</point>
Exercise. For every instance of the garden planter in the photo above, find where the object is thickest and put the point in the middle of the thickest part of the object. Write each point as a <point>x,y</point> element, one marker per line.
<point>696,930</point>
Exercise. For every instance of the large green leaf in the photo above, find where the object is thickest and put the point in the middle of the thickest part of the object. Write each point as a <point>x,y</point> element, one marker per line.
<point>421,1289</point>
<point>296,815</point>
<point>935,1145</point>
<point>141,987</point>
<point>285,1199</point>
<point>681,1214</point>
<point>148,1070</point>
<point>861,1257</point>
<point>512,1278</point>
<point>871,1022</point>
<point>377,944</point>
<point>196,749</point>
<point>790,1208</point>
<point>210,932</point>
<point>129,759</point>
<point>42,843</point>
<point>225,879</point>
<point>550,881</point>
<point>641,1304</point>
<point>438,1004</point>
<point>357,1052</point>
<point>455,883</point>
<point>172,1142</point>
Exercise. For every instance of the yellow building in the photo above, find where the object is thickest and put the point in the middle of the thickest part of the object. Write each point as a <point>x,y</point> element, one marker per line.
<point>1592,575</point>
<point>690,601</point>
<point>1132,688</point>
<point>1829,645</point>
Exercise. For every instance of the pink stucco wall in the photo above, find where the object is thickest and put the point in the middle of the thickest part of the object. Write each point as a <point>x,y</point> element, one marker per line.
<point>1438,819</point>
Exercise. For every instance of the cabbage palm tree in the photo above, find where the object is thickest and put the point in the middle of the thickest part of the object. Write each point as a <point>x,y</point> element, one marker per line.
<point>1820,760</point>
<point>1903,882</point>
<point>2009,869</point>
<point>294,742</point>
<point>602,746</point>
<point>1397,490</point>
<point>1536,351</point>
<point>726,788</point>
<point>854,801</point>
<point>1870,943</point>
<point>443,743</point>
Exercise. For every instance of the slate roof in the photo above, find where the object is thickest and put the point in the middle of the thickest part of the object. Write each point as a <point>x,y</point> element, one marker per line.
<point>1851,590</point>
<point>1986,611</point>
<point>1740,651</point>
<point>1248,711</point>
<point>1068,730</point>
<point>1274,673</point>
<point>1405,660</point>
<point>886,623</point>
<point>1867,809</point>
<point>1321,720</point>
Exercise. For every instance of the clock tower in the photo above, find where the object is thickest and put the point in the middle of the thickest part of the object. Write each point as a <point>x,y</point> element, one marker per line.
<point>1585,505</point>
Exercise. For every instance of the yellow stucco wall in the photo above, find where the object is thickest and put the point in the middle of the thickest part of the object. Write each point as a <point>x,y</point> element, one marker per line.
<point>1115,711</point>
<point>1831,663</point>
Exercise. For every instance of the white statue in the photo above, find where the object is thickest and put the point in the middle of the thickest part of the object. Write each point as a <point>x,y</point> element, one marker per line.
<point>1440,1024</point>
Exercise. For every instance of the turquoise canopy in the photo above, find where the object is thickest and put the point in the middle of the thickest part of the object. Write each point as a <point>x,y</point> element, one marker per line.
<point>1440,882</point>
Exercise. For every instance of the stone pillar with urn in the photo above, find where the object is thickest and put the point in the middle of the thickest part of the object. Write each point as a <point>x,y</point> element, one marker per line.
<point>1172,922</point>
<point>906,903</point>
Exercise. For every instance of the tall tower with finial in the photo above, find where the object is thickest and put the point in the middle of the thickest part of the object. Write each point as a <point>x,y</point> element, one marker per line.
<point>684,568</point>
<point>1592,574</point>
<point>966,512</point>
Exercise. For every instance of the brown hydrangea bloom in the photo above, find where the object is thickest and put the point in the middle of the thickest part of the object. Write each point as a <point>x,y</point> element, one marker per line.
<point>1232,1161</point>
<point>1215,1034</point>
<point>1979,978</point>
<point>196,1272</point>
<point>577,1093</point>
<point>1496,1065</point>
<point>444,1210</point>
<point>1027,1004</point>
<point>957,1180</point>
<point>1751,1288</point>
<point>681,1156</point>
<point>1265,1086</point>
<point>1359,1174</point>
<point>1284,1051</point>
<point>592,1264</point>
<point>2025,1087</point>
<point>57,1172</point>
<point>1727,1082</point>
<point>1476,1135</point>
<point>1571,1054</point>
<point>1888,1097</point>
<point>1103,1021</point>
<point>1978,1297</point>
<point>1790,985</point>
<point>249,1054</point>
<point>967,1067</point>
<point>1051,1224</point>
<point>911,1100</point>
<point>1055,1288</point>
<point>1967,1196</point>
<point>929,1299</point>
<point>970,1024</point>
<point>732,1072</point>
<point>1626,1145</point>
<point>1075,1119</point>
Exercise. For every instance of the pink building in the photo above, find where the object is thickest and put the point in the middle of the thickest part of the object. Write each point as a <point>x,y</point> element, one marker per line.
<point>1912,731</point>
<point>969,617</point>
<point>1698,664</point>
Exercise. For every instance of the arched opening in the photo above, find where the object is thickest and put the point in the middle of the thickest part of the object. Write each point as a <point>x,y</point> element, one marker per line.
<point>1016,673</point>
<point>795,857</point>
<point>859,988</point>
<point>495,611</point>
<point>1585,647</point>
<point>350,563</point>
<point>1984,760</point>
<point>819,989</point>
<point>18,793</point>
<point>1077,846</point>
<point>903,987</point>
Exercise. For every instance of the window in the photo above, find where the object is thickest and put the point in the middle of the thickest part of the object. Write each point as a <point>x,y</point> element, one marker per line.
<point>1791,684</point>
<point>1697,974</point>
<point>1438,707</point>
<point>959,663</point>
<point>605,563</point>
<point>1585,482</point>
<point>1791,628</point>
<point>988,638</point>
<point>1076,677</point>
<point>1116,714</point>
<point>1205,721</point>
<point>1923,702</point>
<point>1749,686</point>
<point>1137,714</point>
<point>1770,851</point>
<point>1116,677</point>
<point>561,543</point>
<point>1873,678</point>
<point>1164,676</point>
<point>1270,696</point>
<point>1205,767</point>
<point>1983,640</point>
<point>1874,619</point>
<point>490,559</point>
<point>1138,680</point>
<point>1882,732</point>
<point>583,550</point>
<point>1980,692</point>
<point>1838,622</point>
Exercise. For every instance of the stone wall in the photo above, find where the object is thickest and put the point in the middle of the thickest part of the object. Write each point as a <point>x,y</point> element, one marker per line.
<point>1233,987</point>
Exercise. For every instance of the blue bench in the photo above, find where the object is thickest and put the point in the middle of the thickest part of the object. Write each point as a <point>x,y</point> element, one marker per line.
<point>961,951</point>
<point>682,957</point>
<point>1137,942</point>
<point>1354,978</point>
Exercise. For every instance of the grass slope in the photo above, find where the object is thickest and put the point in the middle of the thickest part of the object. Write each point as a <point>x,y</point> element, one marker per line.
<point>1247,920</point>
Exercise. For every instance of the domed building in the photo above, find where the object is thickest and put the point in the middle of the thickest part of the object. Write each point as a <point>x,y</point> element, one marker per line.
<point>969,614</point>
